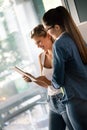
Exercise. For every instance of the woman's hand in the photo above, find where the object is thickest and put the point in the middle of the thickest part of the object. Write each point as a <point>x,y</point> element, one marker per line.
<point>27,79</point>
<point>43,81</point>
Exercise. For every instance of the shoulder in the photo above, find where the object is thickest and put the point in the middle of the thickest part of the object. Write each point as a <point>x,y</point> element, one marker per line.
<point>41,55</point>
<point>40,62</point>
<point>42,58</point>
<point>65,45</point>
<point>64,41</point>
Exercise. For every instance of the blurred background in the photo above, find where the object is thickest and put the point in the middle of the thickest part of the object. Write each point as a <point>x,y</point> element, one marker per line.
<point>21,102</point>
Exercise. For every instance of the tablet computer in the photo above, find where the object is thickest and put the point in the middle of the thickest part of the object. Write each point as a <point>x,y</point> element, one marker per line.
<point>20,71</point>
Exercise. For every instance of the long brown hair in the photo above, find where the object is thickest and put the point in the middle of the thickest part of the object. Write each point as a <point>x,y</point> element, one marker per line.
<point>62,17</point>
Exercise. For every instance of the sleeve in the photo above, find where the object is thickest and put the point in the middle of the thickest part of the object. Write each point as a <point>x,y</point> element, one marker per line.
<point>61,55</point>
<point>58,67</point>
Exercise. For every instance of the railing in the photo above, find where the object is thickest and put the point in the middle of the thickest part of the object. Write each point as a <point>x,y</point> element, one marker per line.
<point>18,104</point>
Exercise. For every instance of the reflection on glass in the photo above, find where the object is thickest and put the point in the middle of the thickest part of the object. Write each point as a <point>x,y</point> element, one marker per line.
<point>12,52</point>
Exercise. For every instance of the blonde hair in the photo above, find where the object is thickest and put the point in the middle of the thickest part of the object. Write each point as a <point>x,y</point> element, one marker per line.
<point>38,31</point>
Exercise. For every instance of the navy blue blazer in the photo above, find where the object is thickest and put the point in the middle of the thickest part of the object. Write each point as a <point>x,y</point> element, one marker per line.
<point>69,70</point>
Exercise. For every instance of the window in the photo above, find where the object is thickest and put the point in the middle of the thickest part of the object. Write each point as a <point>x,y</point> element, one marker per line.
<point>15,48</point>
<point>48,4</point>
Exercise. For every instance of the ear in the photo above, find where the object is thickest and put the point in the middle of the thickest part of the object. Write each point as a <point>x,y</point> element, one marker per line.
<point>49,36</point>
<point>57,27</point>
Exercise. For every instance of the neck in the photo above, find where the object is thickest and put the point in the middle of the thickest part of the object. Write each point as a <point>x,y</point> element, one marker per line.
<point>49,51</point>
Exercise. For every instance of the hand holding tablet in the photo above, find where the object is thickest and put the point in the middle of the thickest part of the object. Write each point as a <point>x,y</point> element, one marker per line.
<point>38,81</point>
<point>20,71</point>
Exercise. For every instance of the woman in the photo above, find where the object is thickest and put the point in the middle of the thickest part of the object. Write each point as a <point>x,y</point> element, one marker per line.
<point>69,63</point>
<point>57,114</point>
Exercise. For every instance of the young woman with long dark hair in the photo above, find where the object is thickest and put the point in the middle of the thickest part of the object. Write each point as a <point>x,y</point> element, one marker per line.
<point>69,64</point>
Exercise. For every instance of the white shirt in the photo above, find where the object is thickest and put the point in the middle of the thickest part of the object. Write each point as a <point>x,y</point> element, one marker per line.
<point>48,73</point>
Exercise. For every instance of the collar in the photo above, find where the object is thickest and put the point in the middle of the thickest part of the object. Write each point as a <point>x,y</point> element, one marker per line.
<point>60,35</point>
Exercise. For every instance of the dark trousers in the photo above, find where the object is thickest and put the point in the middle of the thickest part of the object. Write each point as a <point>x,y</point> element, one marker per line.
<point>77,113</point>
<point>56,121</point>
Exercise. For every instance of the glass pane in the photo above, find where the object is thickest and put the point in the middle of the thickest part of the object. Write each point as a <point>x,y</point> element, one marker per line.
<point>48,4</point>
<point>14,50</point>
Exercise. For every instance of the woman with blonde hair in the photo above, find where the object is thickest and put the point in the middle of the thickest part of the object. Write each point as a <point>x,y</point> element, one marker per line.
<point>57,113</point>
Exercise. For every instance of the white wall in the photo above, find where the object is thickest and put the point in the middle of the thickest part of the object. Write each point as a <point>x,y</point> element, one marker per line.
<point>83,29</point>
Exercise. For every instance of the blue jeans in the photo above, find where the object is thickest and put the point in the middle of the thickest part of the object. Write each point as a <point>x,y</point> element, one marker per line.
<point>77,113</point>
<point>58,115</point>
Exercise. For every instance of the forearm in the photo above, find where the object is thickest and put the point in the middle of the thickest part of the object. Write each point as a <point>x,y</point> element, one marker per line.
<point>43,81</point>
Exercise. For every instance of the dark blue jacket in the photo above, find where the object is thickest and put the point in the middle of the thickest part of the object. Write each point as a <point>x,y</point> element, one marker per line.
<point>69,70</point>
